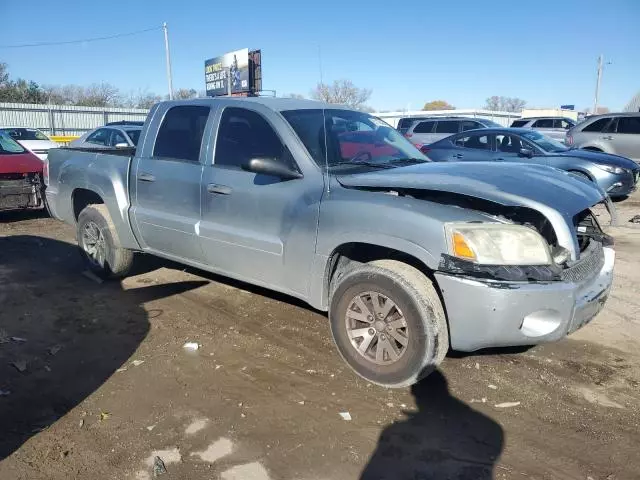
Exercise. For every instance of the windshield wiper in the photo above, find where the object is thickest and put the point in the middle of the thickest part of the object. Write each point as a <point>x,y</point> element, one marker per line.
<point>408,160</point>
<point>361,163</point>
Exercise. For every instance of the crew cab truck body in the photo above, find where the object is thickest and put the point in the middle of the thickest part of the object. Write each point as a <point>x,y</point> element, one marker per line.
<point>410,258</point>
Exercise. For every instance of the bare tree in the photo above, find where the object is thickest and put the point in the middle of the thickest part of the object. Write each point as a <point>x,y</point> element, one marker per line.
<point>438,105</point>
<point>185,94</point>
<point>4,74</point>
<point>504,104</point>
<point>343,92</point>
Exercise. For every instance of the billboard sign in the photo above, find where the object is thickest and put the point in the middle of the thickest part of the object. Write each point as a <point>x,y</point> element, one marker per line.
<point>567,107</point>
<point>229,69</point>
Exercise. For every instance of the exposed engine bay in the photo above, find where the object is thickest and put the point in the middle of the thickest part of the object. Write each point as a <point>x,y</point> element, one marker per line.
<point>20,191</point>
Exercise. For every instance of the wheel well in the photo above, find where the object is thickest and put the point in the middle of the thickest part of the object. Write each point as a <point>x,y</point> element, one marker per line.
<point>83,197</point>
<point>580,172</point>
<point>350,254</point>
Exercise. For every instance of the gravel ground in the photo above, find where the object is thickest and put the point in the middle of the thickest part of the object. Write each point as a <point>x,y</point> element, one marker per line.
<point>102,388</point>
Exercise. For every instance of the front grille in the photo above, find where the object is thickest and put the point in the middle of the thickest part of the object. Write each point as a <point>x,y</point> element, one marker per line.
<point>591,261</point>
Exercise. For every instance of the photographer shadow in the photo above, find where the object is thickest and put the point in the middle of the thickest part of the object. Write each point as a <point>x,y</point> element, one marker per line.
<point>444,439</point>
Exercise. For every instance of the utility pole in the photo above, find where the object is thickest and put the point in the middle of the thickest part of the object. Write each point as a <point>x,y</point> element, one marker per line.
<point>168,55</point>
<point>600,65</point>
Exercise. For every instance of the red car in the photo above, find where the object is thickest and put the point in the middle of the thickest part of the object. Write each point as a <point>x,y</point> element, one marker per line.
<point>355,143</point>
<point>21,181</point>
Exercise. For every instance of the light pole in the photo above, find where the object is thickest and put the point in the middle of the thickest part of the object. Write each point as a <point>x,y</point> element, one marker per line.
<point>600,65</point>
<point>168,56</point>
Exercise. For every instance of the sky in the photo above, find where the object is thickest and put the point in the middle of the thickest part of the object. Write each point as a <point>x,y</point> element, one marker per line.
<point>407,53</point>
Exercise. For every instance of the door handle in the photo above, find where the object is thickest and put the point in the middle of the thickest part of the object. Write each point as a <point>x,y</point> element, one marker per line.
<point>458,155</point>
<point>220,189</point>
<point>609,137</point>
<point>499,159</point>
<point>146,177</point>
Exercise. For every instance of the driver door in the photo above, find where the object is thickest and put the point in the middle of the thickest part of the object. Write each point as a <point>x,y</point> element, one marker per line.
<point>508,147</point>
<point>257,227</point>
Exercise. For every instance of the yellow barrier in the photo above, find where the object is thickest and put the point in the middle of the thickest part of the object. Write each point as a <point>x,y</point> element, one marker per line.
<point>63,139</point>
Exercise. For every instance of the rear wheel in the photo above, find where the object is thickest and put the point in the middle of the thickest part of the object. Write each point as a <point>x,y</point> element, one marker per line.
<point>388,323</point>
<point>97,239</point>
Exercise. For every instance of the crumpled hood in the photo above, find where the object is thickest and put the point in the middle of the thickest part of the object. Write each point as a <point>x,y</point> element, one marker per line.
<point>533,186</point>
<point>599,158</point>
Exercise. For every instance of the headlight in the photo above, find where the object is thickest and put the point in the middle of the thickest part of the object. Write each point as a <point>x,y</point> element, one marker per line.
<point>497,244</point>
<point>611,168</point>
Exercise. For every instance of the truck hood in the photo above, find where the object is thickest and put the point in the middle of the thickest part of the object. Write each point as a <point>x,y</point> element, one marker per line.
<point>20,163</point>
<point>506,184</point>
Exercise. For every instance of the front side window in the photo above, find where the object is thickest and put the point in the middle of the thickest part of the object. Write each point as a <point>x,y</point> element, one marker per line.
<point>244,135</point>
<point>134,135</point>
<point>563,123</point>
<point>477,142</point>
<point>597,126</point>
<point>9,146</point>
<point>447,126</point>
<point>470,125</point>
<point>509,144</point>
<point>99,137</point>
<point>628,125</point>
<point>543,123</point>
<point>181,132</point>
<point>345,139</point>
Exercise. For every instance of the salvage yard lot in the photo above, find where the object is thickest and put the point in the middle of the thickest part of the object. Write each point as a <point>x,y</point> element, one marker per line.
<point>102,385</point>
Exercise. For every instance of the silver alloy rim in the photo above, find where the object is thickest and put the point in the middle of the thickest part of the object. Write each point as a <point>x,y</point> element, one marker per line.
<point>377,328</point>
<point>93,244</point>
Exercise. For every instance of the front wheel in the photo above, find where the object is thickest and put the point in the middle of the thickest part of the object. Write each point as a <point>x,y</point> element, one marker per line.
<point>97,239</point>
<point>388,323</point>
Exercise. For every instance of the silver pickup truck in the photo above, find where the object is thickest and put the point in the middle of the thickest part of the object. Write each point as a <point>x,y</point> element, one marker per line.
<point>332,206</point>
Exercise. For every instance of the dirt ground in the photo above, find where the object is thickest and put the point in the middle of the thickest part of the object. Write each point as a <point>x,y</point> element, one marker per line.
<point>102,386</point>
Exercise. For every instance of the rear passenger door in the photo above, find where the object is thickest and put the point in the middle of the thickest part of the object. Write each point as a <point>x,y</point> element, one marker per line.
<point>166,183</point>
<point>626,137</point>
<point>258,227</point>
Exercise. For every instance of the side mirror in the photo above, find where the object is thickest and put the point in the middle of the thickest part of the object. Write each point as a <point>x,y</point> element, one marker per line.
<point>526,152</point>
<point>122,145</point>
<point>270,166</point>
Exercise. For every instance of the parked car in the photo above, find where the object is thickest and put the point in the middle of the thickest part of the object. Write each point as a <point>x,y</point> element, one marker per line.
<point>32,139</point>
<point>553,127</point>
<point>260,189</point>
<point>617,133</point>
<point>21,185</point>
<point>405,122</point>
<point>618,176</point>
<point>125,123</point>
<point>109,137</point>
<point>425,132</point>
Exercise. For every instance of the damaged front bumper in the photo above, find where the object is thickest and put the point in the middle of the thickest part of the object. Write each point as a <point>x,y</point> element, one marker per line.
<point>487,313</point>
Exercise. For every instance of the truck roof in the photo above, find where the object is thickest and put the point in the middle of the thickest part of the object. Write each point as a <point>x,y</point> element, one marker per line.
<point>274,103</point>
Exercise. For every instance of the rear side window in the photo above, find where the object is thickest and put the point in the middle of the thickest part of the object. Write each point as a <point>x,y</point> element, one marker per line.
<point>519,123</point>
<point>447,126</point>
<point>423,127</point>
<point>597,126</point>
<point>543,123</point>
<point>180,135</point>
<point>244,135</point>
<point>628,125</point>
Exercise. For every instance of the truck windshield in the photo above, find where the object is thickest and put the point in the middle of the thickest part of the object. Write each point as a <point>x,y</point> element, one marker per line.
<point>338,139</point>
<point>8,145</point>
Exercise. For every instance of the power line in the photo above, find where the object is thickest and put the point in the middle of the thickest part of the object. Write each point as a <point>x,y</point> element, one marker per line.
<point>86,40</point>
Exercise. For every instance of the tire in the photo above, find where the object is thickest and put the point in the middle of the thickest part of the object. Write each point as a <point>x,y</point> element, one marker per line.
<point>109,261</point>
<point>424,336</point>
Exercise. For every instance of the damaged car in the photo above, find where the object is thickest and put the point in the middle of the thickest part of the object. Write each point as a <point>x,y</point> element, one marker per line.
<point>21,182</point>
<point>409,258</point>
